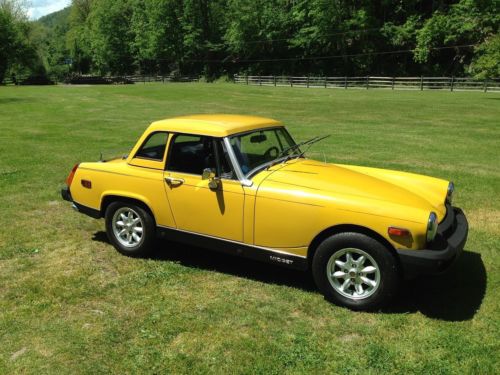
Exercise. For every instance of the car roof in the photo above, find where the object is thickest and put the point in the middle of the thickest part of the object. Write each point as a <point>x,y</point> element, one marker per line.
<point>214,125</point>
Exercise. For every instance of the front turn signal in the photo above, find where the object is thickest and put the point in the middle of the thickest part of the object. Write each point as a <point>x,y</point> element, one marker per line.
<point>399,232</point>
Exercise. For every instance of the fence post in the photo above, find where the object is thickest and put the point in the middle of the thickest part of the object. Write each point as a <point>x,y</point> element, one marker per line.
<point>291,81</point>
<point>260,82</point>
<point>326,81</point>
<point>421,83</point>
<point>485,85</point>
<point>393,79</point>
<point>274,80</point>
<point>345,82</point>
<point>307,82</point>
<point>451,84</point>
<point>367,82</point>
<point>246,78</point>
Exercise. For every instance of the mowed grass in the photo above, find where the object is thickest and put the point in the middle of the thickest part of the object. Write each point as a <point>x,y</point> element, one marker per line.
<point>69,303</point>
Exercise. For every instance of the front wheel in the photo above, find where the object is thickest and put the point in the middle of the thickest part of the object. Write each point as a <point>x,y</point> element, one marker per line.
<point>130,228</point>
<point>355,270</point>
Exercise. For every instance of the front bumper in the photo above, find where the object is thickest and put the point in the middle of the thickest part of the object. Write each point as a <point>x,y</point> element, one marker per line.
<point>443,251</point>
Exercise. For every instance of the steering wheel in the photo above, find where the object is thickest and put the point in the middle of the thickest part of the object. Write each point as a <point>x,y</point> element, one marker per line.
<point>270,151</point>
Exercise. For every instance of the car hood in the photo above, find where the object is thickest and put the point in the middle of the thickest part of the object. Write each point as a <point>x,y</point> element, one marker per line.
<point>404,189</point>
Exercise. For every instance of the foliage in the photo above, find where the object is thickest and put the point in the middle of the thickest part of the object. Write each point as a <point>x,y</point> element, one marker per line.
<point>18,47</point>
<point>306,37</point>
<point>486,62</point>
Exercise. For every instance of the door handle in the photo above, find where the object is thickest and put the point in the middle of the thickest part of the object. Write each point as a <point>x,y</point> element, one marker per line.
<point>172,181</point>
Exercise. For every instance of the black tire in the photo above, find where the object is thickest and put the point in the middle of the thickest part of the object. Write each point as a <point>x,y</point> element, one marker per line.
<point>136,248</point>
<point>335,248</point>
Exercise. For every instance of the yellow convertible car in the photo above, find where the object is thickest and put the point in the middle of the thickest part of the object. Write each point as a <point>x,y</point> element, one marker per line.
<point>241,185</point>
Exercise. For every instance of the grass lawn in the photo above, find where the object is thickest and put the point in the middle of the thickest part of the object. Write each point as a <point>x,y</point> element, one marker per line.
<point>69,303</point>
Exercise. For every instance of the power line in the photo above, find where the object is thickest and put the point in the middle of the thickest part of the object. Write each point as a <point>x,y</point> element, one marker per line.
<point>289,39</point>
<point>331,56</point>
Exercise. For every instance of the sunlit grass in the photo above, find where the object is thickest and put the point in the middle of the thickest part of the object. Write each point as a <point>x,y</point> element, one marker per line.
<point>70,303</point>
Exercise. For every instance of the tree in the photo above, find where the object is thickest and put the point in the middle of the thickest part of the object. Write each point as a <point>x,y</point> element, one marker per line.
<point>459,28</point>
<point>158,40</point>
<point>111,36</point>
<point>486,63</point>
<point>78,37</point>
<point>18,51</point>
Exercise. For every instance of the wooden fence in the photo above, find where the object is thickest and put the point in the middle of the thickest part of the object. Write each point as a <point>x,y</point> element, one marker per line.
<point>86,79</point>
<point>368,82</point>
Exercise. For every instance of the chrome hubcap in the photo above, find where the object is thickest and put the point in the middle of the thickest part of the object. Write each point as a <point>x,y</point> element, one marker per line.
<point>127,227</point>
<point>353,273</point>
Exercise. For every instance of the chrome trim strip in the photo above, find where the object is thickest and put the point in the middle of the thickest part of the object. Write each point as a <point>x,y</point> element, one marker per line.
<point>235,242</point>
<point>236,165</point>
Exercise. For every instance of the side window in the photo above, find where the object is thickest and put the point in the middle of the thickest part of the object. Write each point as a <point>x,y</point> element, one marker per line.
<point>154,147</point>
<point>191,154</point>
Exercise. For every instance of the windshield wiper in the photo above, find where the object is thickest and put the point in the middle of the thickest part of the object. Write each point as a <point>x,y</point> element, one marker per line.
<point>293,147</point>
<point>311,143</point>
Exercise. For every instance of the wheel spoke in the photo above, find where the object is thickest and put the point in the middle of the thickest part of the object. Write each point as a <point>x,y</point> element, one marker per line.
<point>136,237</point>
<point>368,281</point>
<point>345,284</point>
<point>138,229</point>
<point>123,217</point>
<point>339,274</point>
<point>369,269</point>
<point>360,260</point>
<point>348,258</point>
<point>359,289</point>
<point>120,223</point>
<point>136,220</point>
<point>122,232</point>
<point>340,263</point>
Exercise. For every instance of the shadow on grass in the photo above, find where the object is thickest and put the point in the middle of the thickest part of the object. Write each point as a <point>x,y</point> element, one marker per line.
<point>196,257</point>
<point>11,100</point>
<point>453,296</point>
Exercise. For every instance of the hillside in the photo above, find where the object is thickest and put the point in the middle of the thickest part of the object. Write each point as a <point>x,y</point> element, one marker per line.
<point>59,18</point>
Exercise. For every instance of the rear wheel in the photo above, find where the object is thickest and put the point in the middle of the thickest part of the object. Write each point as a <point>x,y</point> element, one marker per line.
<point>130,228</point>
<point>355,270</point>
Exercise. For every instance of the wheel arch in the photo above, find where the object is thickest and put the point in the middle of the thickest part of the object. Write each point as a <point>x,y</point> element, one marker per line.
<point>342,228</point>
<point>106,200</point>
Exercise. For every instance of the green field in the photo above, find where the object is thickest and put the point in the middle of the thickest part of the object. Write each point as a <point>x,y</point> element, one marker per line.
<point>69,303</point>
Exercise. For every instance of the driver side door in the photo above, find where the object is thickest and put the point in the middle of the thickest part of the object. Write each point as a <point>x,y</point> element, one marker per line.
<point>196,207</point>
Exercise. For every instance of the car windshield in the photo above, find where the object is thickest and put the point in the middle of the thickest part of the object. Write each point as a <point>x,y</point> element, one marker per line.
<point>257,149</point>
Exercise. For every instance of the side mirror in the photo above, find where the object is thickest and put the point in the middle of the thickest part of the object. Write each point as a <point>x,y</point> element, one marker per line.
<point>213,181</point>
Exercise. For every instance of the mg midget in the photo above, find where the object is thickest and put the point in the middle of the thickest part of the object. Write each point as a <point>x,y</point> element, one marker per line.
<point>242,185</point>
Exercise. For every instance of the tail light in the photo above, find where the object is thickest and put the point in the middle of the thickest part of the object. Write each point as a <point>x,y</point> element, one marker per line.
<point>69,179</point>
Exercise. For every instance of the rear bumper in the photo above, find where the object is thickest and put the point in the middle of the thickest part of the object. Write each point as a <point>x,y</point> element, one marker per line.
<point>443,251</point>
<point>66,195</point>
<point>89,211</point>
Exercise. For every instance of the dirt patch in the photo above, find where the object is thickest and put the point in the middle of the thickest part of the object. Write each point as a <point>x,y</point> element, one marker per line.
<point>485,219</point>
<point>17,354</point>
<point>350,337</point>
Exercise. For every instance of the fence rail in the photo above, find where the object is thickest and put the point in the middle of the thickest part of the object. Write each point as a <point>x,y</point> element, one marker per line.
<point>369,82</point>
<point>87,79</point>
